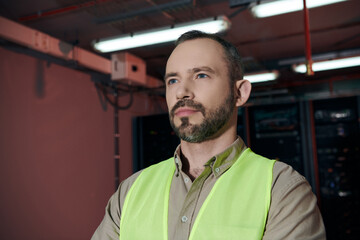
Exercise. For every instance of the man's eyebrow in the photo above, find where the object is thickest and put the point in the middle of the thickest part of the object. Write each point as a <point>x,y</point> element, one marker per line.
<point>203,68</point>
<point>172,74</point>
<point>193,70</point>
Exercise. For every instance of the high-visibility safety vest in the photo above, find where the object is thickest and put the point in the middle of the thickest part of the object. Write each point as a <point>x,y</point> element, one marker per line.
<point>236,207</point>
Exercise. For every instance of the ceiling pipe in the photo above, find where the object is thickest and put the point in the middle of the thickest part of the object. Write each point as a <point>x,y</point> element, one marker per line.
<point>167,15</point>
<point>39,41</point>
<point>309,61</point>
<point>53,12</point>
<point>44,43</point>
<point>144,11</point>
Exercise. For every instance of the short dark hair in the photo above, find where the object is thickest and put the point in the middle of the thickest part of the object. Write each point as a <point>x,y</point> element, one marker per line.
<point>233,58</point>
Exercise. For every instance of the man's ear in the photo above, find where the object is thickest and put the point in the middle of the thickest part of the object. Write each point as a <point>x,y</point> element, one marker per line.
<point>243,90</point>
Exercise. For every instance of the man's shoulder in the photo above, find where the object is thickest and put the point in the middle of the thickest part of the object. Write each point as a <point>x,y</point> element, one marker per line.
<point>284,172</point>
<point>286,179</point>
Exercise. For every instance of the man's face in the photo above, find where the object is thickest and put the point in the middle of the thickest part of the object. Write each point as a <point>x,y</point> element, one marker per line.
<point>198,93</point>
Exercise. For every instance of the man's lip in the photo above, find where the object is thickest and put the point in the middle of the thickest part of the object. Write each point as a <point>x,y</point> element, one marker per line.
<point>182,112</point>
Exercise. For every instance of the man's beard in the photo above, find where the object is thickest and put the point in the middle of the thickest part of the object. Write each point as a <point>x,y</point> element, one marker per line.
<point>213,120</point>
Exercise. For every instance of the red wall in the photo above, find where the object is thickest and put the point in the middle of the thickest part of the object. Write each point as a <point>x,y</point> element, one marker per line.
<point>56,149</point>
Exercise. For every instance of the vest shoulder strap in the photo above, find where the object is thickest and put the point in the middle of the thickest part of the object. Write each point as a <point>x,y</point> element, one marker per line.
<point>147,198</point>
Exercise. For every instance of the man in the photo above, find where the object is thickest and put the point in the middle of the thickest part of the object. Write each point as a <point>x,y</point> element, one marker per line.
<point>214,187</point>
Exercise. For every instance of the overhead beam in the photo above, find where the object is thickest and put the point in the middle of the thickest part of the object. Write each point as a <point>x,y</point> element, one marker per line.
<point>53,12</point>
<point>144,11</point>
<point>42,42</point>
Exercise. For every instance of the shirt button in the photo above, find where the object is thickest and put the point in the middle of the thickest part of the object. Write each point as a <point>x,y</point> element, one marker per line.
<point>176,160</point>
<point>184,219</point>
<point>186,180</point>
<point>217,169</point>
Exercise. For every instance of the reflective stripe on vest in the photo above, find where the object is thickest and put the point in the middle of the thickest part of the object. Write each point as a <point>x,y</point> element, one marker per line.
<point>236,207</point>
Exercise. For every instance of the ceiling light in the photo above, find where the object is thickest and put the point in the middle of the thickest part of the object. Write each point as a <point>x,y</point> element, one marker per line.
<point>161,35</point>
<point>329,64</point>
<point>272,8</point>
<point>262,77</point>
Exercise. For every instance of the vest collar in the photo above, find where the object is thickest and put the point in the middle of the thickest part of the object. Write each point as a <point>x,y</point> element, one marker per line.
<point>220,162</point>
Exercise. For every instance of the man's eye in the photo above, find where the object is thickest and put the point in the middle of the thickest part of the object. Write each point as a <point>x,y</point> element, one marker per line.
<point>172,81</point>
<point>202,75</point>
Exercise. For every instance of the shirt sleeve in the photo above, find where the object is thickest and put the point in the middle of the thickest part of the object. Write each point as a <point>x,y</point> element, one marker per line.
<point>293,212</point>
<point>109,228</point>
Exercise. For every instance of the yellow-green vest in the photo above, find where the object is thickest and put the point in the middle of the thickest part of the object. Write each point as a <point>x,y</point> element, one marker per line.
<point>236,207</point>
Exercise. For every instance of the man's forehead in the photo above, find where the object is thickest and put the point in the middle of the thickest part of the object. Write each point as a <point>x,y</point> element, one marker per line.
<point>198,45</point>
<point>202,51</point>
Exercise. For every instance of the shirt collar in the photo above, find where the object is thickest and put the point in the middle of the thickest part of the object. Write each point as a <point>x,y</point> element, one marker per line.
<point>220,162</point>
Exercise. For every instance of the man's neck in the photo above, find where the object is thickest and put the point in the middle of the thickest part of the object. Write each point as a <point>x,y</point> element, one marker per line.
<point>195,155</point>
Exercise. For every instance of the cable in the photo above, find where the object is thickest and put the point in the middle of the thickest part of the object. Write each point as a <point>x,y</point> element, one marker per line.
<point>236,12</point>
<point>115,91</point>
<point>104,88</point>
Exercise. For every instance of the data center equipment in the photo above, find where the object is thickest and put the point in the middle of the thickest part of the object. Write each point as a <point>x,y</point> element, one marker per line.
<point>337,142</point>
<point>154,140</point>
<point>275,132</point>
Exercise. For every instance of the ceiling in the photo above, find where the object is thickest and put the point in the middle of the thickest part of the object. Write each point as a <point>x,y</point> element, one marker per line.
<point>261,42</point>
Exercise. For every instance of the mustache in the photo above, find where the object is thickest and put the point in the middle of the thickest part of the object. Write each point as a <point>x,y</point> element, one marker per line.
<point>187,103</point>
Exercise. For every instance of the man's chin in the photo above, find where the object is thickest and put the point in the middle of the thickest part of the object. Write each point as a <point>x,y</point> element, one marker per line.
<point>185,131</point>
<point>189,134</point>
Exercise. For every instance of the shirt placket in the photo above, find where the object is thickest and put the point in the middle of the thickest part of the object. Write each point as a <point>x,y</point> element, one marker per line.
<point>187,217</point>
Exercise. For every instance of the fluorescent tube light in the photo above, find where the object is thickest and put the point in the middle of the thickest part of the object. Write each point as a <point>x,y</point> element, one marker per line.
<point>161,35</point>
<point>330,64</point>
<point>272,8</point>
<point>262,77</point>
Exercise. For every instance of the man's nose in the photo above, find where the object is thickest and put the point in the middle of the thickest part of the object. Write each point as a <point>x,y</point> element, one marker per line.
<point>185,90</point>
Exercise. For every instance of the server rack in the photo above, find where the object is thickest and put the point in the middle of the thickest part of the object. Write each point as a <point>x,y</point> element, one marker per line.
<point>154,140</point>
<point>336,123</point>
<point>241,124</point>
<point>276,132</point>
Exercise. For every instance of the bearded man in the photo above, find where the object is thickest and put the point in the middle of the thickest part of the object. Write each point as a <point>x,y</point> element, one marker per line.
<point>214,187</point>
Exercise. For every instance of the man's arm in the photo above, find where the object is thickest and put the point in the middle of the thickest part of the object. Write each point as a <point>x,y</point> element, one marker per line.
<point>293,212</point>
<point>109,227</point>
